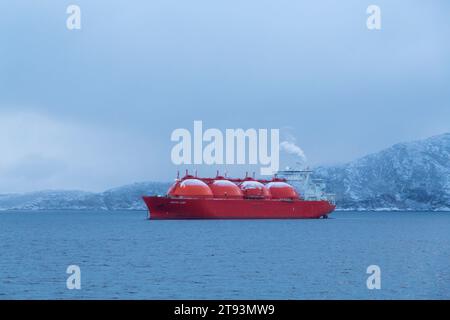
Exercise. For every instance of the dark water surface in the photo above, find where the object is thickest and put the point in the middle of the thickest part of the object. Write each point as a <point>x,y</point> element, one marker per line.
<point>123,255</point>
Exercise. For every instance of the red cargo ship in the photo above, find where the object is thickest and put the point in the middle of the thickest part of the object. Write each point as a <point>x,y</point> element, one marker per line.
<point>224,198</point>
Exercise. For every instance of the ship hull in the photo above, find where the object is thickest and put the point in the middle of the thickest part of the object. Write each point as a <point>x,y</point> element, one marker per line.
<point>204,208</point>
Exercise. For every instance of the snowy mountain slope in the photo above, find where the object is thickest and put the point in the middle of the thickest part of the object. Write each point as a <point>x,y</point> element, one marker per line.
<point>129,197</point>
<point>406,176</point>
<point>50,200</point>
<point>123,198</point>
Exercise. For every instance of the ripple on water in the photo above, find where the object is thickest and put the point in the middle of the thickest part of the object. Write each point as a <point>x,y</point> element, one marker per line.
<point>278,259</point>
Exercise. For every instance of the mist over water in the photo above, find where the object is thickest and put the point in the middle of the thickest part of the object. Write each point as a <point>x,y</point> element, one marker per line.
<point>124,255</point>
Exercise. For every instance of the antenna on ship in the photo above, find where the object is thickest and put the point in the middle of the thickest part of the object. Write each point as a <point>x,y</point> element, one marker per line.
<point>217,173</point>
<point>254,175</point>
<point>226,173</point>
<point>187,171</point>
<point>178,174</point>
<point>196,173</point>
<point>246,174</point>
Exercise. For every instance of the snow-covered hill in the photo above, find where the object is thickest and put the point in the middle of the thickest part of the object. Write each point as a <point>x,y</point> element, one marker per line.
<point>129,197</point>
<point>406,176</point>
<point>123,198</point>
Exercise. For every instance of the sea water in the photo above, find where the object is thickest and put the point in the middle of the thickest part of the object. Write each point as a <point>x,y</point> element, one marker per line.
<point>122,255</point>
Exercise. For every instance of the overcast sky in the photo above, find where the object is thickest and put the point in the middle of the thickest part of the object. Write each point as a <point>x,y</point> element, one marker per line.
<point>94,108</point>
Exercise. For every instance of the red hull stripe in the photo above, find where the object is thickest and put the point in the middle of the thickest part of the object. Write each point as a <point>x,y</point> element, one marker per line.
<point>195,208</point>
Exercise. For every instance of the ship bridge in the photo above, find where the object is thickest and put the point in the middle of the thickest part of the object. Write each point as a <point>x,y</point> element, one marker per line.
<point>308,188</point>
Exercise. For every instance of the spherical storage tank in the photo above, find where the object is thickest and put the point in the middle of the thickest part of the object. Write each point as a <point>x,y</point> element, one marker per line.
<point>254,189</point>
<point>190,188</point>
<point>225,189</point>
<point>281,190</point>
